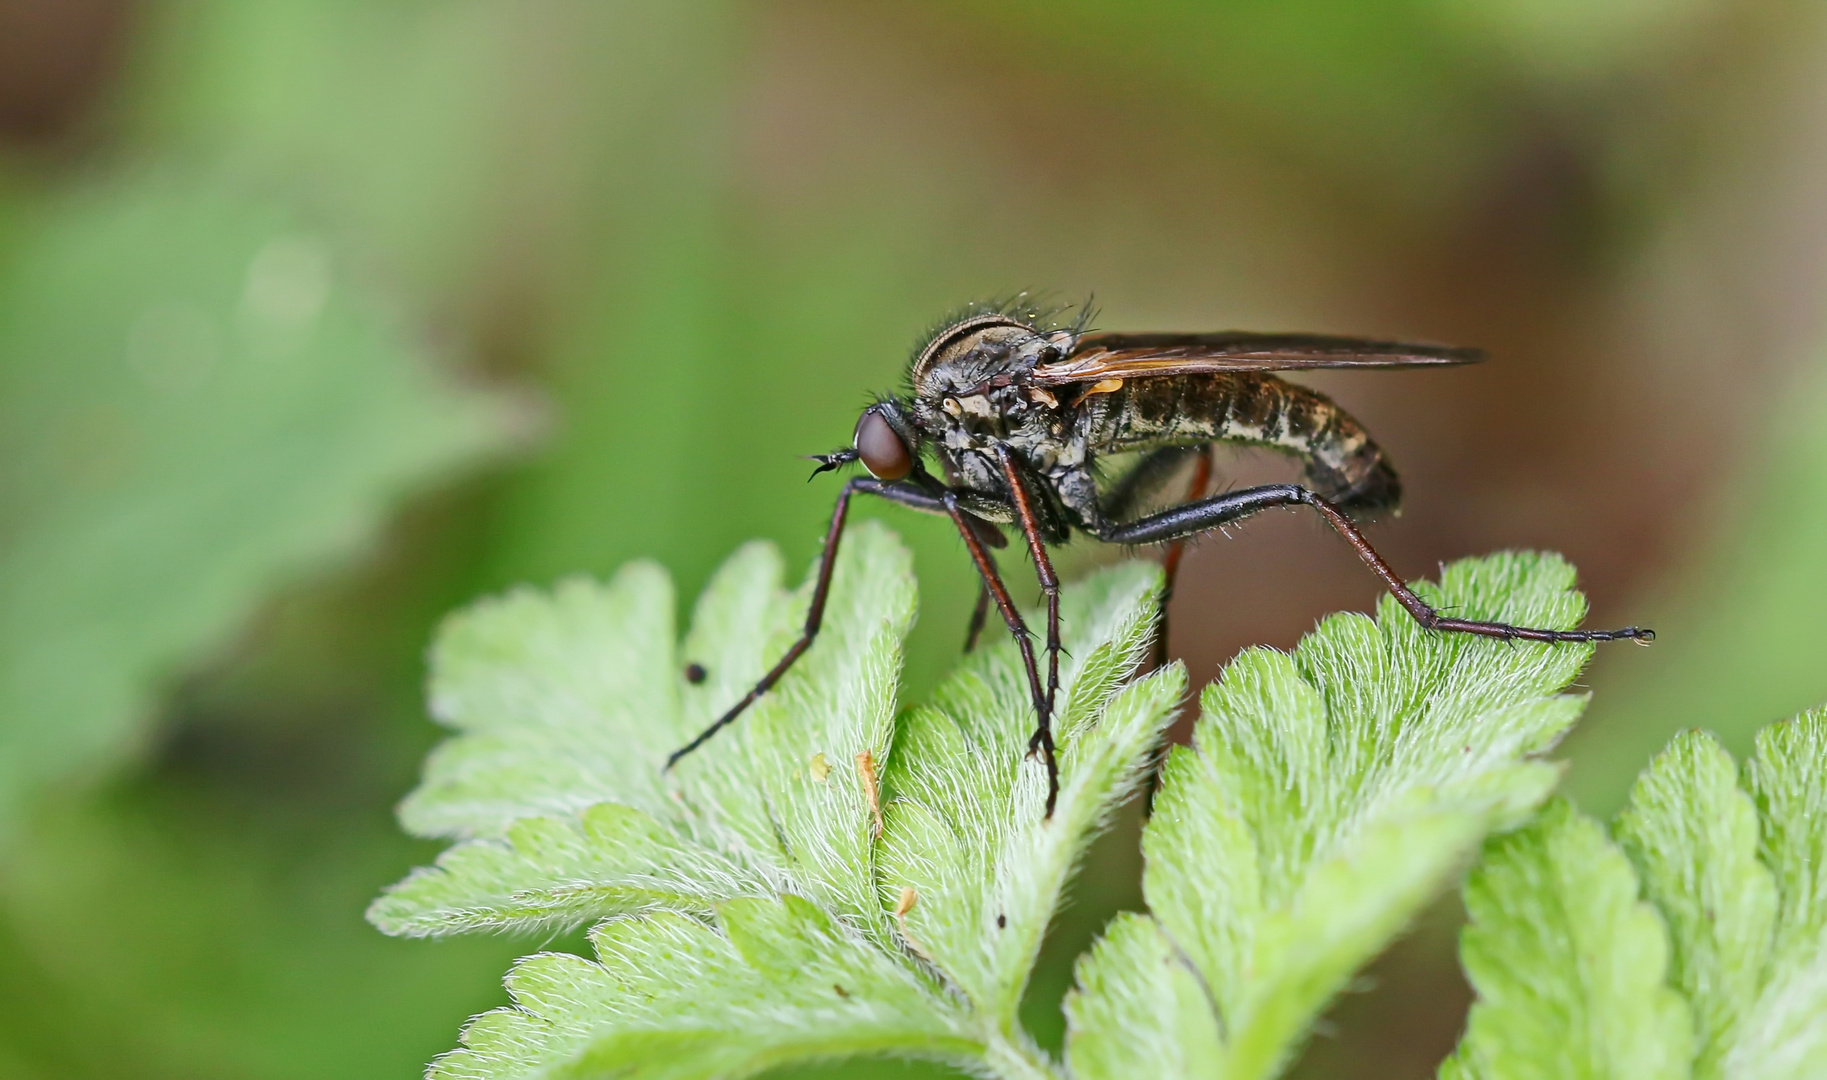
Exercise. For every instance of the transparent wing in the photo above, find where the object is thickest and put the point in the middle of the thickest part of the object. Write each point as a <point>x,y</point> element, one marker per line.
<point>1134,356</point>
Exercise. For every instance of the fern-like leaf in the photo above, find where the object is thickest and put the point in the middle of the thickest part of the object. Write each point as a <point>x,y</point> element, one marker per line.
<point>747,921</point>
<point>1330,793</point>
<point>965,827</point>
<point>1569,966</point>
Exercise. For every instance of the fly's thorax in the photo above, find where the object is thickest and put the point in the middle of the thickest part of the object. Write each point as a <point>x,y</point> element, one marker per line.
<point>978,421</point>
<point>982,350</point>
<point>976,471</point>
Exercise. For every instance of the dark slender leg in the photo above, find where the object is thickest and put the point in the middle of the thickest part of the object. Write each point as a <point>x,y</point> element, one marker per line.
<point>1049,584</point>
<point>993,582</point>
<point>1222,509</point>
<point>1176,550</point>
<point>906,495</point>
<point>978,614</point>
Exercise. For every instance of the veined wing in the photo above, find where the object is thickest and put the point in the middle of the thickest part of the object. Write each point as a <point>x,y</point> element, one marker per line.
<point>1135,356</point>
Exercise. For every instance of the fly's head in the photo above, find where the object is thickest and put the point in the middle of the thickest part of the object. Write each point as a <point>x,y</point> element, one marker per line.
<point>886,441</point>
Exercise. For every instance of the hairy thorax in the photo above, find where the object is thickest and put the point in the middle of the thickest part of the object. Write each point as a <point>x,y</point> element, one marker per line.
<point>968,397</point>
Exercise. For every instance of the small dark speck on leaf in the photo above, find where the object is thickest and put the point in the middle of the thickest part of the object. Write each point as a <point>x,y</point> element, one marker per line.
<point>841,992</point>
<point>695,673</point>
<point>1001,921</point>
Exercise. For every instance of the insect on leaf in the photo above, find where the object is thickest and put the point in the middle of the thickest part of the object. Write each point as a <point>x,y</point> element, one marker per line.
<point>748,923</point>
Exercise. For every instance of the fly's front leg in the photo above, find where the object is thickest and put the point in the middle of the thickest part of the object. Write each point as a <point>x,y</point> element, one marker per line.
<point>906,495</point>
<point>992,582</point>
<point>1220,510</point>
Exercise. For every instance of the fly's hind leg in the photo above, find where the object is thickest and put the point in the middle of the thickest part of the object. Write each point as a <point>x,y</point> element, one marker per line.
<point>1205,514</point>
<point>1176,550</point>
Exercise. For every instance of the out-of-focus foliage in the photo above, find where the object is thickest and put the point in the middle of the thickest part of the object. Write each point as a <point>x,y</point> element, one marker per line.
<point>195,400</point>
<point>1570,966</point>
<point>1745,641</point>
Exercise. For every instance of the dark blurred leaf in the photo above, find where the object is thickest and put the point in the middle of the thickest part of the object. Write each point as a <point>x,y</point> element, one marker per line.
<point>177,930</point>
<point>195,401</point>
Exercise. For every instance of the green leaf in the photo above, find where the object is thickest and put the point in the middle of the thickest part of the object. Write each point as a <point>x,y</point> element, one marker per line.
<point>572,700</point>
<point>1692,835</point>
<point>567,704</point>
<point>197,401</point>
<point>1138,1008</point>
<point>1561,959</point>
<point>965,829</point>
<point>1568,963</point>
<point>561,871</point>
<point>1784,1035</point>
<point>1331,793</point>
<point>776,981</point>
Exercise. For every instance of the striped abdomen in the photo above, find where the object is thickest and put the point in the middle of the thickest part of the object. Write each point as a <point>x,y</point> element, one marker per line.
<point>1342,463</point>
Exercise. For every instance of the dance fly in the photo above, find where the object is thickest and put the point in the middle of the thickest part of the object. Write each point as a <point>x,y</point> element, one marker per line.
<point>1008,413</point>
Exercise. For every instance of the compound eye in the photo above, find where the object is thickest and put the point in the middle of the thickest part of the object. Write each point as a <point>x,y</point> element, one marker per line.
<point>882,451</point>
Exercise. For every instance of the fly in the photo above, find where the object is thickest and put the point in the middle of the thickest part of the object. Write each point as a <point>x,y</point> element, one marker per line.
<point>1016,412</point>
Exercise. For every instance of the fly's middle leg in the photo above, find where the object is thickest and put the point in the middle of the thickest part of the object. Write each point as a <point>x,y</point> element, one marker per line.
<point>992,582</point>
<point>1042,740</point>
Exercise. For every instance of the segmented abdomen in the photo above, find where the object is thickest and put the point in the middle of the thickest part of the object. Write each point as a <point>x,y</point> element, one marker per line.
<point>1342,463</point>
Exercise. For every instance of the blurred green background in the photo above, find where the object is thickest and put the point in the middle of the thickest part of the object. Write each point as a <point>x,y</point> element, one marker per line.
<point>321,317</point>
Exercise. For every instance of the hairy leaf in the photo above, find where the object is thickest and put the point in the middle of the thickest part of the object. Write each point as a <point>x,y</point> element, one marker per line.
<point>1138,1009</point>
<point>1560,959</point>
<point>569,704</point>
<point>965,830</point>
<point>1784,1034</point>
<point>669,997</point>
<point>1692,835</point>
<point>747,922</point>
<point>1569,965</point>
<point>1331,792</point>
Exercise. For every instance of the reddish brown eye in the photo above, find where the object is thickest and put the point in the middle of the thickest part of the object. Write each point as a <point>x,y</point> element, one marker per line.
<point>882,451</point>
